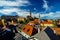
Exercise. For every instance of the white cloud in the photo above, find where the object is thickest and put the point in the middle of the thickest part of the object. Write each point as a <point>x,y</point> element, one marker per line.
<point>45,5</point>
<point>8,3</point>
<point>51,15</point>
<point>47,14</point>
<point>14,3</point>
<point>8,11</point>
<point>25,13</point>
<point>20,12</point>
<point>57,15</point>
<point>9,7</point>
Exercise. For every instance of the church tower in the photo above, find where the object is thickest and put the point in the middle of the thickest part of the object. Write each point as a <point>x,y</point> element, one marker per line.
<point>30,14</point>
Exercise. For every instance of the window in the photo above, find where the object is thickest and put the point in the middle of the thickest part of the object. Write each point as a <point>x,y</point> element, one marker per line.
<point>23,28</point>
<point>28,30</point>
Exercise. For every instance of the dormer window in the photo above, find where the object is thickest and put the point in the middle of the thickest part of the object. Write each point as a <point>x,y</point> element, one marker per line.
<point>24,29</point>
<point>28,30</point>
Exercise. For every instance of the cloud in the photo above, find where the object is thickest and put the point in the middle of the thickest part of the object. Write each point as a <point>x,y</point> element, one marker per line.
<point>45,5</point>
<point>10,7</point>
<point>6,0</point>
<point>14,3</point>
<point>24,13</point>
<point>47,13</point>
<point>51,15</point>
<point>19,12</point>
<point>8,11</point>
<point>8,3</point>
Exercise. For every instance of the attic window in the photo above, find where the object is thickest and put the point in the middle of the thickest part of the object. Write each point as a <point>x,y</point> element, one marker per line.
<point>28,30</point>
<point>24,29</point>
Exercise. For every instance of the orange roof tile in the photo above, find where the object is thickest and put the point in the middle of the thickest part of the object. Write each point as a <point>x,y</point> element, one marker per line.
<point>29,30</point>
<point>36,20</point>
<point>47,22</point>
<point>50,21</point>
<point>57,30</point>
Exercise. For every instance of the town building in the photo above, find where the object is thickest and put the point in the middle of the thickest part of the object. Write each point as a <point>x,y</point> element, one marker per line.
<point>21,19</point>
<point>45,23</point>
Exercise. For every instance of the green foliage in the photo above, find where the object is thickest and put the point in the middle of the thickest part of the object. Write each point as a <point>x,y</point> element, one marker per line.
<point>29,19</point>
<point>22,22</point>
<point>34,17</point>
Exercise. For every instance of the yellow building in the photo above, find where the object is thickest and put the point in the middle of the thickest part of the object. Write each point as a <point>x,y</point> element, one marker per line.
<point>47,23</point>
<point>3,21</point>
<point>21,19</point>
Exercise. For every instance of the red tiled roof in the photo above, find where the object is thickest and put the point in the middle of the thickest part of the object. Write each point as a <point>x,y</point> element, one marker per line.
<point>29,30</point>
<point>57,30</point>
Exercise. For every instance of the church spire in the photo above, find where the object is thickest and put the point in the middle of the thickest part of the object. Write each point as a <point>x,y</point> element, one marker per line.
<point>30,14</point>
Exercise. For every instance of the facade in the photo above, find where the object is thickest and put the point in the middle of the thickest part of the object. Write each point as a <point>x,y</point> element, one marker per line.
<point>21,19</point>
<point>58,23</point>
<point>45,23</point>
<point>34,22</point>
<point>9,18</point>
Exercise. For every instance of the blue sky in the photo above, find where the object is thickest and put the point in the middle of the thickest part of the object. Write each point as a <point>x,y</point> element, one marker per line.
<point>49,9</point>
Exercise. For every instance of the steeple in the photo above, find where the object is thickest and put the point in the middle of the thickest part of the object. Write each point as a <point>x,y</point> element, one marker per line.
<point>39,18</point>
<point>30,14</point>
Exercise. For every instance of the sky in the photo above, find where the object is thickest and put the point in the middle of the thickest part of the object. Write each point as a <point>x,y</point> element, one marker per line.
<point>48,9</point>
